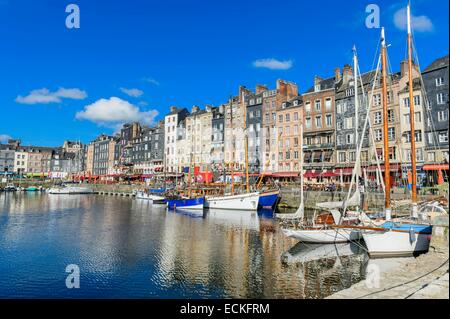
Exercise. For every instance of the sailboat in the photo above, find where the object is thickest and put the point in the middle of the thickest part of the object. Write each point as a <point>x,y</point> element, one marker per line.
<point>321,229</point>
<point>401,237</point>
<point>240,202</point>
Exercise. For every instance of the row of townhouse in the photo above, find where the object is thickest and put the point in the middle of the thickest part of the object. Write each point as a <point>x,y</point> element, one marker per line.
<point>38,160</point>
<point>214,138</point>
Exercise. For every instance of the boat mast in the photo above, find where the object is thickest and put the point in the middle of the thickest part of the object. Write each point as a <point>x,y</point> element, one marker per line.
<point>233,145</point>
<point>244,111</point>
<point>355,84</point>
<point>302,177</point>
<point>411,110</point>
<point>387,170</point>
<point>190,157</point>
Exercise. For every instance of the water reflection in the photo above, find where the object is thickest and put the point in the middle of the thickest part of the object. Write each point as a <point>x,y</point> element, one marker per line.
<point>131,248</point>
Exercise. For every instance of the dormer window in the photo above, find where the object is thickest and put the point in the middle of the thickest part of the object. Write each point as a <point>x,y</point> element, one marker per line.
<point>283,105</point>
<point>296,103</point>
<point>317,88</point>
<point>350,92</point>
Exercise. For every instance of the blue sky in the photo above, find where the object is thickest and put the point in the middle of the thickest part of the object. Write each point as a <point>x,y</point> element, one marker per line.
<point>134,59</point>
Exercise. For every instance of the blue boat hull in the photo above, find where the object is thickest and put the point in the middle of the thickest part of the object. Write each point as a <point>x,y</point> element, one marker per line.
<point>191,203</point>
<point>268,200</point>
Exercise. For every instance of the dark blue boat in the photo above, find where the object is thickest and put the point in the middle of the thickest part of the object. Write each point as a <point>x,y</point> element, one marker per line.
<point>187,203</point>
<point>268,199</point>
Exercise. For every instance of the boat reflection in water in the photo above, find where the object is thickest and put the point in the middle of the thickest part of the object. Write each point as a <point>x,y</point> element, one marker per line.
<point>329,268</point>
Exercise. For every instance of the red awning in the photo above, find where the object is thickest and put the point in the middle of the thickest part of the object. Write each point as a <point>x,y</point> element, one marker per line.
<point>329,174</point>
<point>310,174</point>
<point>436,167</point>
<point>286,174</point>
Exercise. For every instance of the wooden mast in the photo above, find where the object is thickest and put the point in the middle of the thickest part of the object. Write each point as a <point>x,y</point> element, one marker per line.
<point>244,112</point>
<point>233,145</point>
<point>191,156</point>
<point>411,110</point>
<point>387,180</point>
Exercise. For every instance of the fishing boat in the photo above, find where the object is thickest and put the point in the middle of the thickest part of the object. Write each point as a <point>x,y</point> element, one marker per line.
<point>244,202</point>
<point>322,231</point>
<point>31,189</point>
<point>70,190</point>
<point>155,199</point>
<point>196,203</point>
<point>268,199</point>
<point>10,188</point>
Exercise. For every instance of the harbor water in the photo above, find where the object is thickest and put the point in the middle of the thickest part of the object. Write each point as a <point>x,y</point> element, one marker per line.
<point>127,248</point>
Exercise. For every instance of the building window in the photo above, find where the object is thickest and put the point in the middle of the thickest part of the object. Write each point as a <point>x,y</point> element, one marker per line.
<point>418,117</point>
<point>318,105</point>
<point>329,120</point>
<point>348,124</point>
<point>377,100</point>
<point>442,116</point>
<point>328,103</point>
<point>443,137</point>
<point>378,135</point>
<point>296,116</point>
<point>308,122</point>
<point>280,118</point>
<point>342,158</point>
<point>391,116</point>
<point>288,117</point>
<point>308,107</point>
<point>350,92</point>
<point>391,133</point>
<point>439,81</point>
<point>349,138</point>
<point>318,121</point>
<point>431,157</point>
<point>440,98</point>
<point>417,100</point>
<point>352,156</point>
<point>377,118</point>
<point>406,102</point>
<point>339,125</point>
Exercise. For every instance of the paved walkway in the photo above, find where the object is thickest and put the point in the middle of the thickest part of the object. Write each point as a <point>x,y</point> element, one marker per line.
<point>425,277</point>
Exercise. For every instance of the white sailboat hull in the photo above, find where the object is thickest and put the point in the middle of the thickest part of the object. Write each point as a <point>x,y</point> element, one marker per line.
<point>70,191</point>
<point>393,244</point>
<point>247,202</point>
<point>143,195</point>
<point>323,236</point>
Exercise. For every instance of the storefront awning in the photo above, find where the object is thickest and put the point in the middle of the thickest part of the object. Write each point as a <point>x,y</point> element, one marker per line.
<point>344,171</point>
<point>436,167</point>
<point>310,174</point>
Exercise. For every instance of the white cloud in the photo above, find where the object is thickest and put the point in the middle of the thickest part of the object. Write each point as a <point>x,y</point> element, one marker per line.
<point>114,111</point>
<point>4,138</point>
<point>132,92</point>
<point>273,64</point>
<point>151,81</point>
<point>418,23</point>
<point>45,96</point>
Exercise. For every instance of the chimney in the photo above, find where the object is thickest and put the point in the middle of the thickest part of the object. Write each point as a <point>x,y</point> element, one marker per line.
<point>288,90</point>
<point>195,109</point>
<point>261,88</point>
<point>337,74</point>
<point>347,73</point>
<point>208,108</point>
<point>317,81</point>
<point>173,109</point>
<point>404,68</point>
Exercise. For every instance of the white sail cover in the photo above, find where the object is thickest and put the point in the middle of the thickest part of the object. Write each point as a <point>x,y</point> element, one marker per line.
<point>355,200</point>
